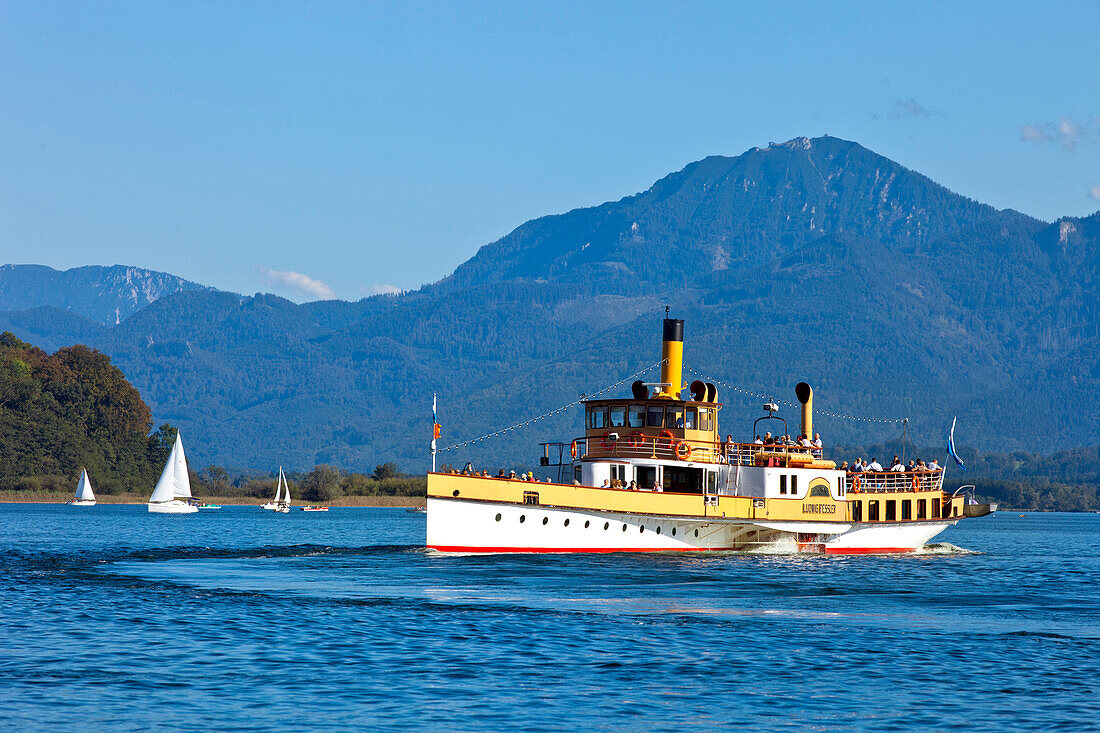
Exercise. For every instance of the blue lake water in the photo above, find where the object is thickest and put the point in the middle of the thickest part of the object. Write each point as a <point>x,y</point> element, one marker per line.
<point>240,619</point>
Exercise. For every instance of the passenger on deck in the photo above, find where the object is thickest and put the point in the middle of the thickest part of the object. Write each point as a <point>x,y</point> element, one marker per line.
<point>934,465</point>
<point>844,465</point>
<point>512,475</point>
<point>874,465</point>
<point>912,466</point>
<point>817,440</point>
<point>606,484</point>
<point>858,466</point>
<point>920,465</point>
<point>787,440</point>
<point>898,466</point>
<point>758,441</point>
<point>500,474</point>
<point>657,486</point>
<point>468,468</point>
<point>633,486</point>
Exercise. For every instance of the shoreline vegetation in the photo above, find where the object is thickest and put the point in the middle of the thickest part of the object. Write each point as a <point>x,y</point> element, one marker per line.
<point>57,497</point>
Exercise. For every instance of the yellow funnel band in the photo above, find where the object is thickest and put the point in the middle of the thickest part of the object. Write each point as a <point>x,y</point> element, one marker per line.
<point>672,368</point>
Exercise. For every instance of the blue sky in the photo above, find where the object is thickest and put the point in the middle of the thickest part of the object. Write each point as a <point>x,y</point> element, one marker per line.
<point>318,149</point>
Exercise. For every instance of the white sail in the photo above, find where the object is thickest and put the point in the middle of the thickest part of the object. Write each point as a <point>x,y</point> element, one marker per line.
<point>174,482</point>
<point>279,487</point>
<point>84,488</point>
<point>286,490</point>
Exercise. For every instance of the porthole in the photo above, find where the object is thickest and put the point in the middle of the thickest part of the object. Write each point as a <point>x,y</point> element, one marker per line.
<point>566,523</point>
<point>624,527</point>
<point>545,520</point>
<point>586,523</point>
<point>498,517</point>
<point>522,518</point>
<point>454,493</point>
<point>641,529</point>
<point>658,530</point>
<point>606,525</point>
<point>673,531</point>
<point>696,533</point>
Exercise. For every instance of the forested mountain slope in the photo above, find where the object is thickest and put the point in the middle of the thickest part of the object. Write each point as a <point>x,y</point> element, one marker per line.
<point>814,259</point>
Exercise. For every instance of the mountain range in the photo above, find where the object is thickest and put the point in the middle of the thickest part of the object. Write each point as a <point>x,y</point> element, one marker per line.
<point>814,259</point>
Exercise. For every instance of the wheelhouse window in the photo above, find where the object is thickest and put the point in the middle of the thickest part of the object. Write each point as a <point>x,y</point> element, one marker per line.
<point>921,509</point>
<point>689,418</point>
<point>655,417</point>
<point>906,509</point>
<point>597,417</point>
<point>934,510</point>
<point>783,483</point>
<point>857,511</point>
<point>891,510</point>
<point>872,511</point>
<point>706,418</point>
<point>794,484</point>
<point>674,417</point>
<point>636,416</point>
<point>618,416</point>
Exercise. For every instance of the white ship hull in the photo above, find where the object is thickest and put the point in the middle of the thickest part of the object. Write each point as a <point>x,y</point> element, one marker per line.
<point>464,526</point>
<point>172,507</point>
<point>82,502</point>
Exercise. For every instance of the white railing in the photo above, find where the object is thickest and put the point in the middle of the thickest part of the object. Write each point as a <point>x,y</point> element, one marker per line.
<point>880,481</point>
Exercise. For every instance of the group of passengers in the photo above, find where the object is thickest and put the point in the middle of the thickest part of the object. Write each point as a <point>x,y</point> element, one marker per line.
<point>785,440</point>
<point>632,486</point>
<point>859,466</point>
<point>468,470</point>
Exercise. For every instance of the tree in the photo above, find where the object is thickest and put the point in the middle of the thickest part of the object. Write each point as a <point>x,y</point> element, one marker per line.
<point>322,483</point>
<point>384,471</point>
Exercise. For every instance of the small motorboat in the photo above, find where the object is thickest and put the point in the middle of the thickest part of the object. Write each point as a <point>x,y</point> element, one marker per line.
<point>314,508</point>
<point>204,505</point>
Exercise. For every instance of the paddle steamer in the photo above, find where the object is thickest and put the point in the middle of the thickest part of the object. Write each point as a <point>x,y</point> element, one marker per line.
<point>694,492</point>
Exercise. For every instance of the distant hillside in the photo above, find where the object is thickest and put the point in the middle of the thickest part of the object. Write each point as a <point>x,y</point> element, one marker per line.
<point>70,410</point>
<point>106,295</point>
<point>815,259</point>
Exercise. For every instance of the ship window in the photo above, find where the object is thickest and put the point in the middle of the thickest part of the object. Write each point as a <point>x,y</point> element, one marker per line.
<point>689,418</point>
<point>906,509</point>
<point>606,525</point>
<point>597,417</point>
<point>674,417</point>
<point>872,511</point>
<point>566,523</point>
<point>857,511</point>
<point>522,518</point>
<point>624,527</point>
<point>891,510</point>
<point>934,508</point>
<point>673,531</point>
<point>706,419</point>
<point>921,510</point>
<point>794,484</point>
<point>658,530</point>
<point>636,416</point>
<point>545,520</point>
<point>655,417</point>
<point>641,529</point>
<point>696,533</point>
<point>783,484</point>
<point>819,490</point>
<point>498,517</point>
<point>587,523</point>
<point>618,416</point>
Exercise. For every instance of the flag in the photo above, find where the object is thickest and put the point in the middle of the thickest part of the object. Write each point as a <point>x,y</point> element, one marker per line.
<point>436,427</point>
<point>951,445</point>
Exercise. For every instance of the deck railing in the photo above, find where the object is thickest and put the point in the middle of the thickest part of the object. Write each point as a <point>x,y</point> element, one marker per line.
<point>872,482</point>
<point>703,451</point>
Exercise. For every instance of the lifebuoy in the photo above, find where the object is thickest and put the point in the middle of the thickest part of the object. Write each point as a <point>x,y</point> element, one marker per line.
<point>635,439</point>
<point>915,484</point>
<point>683,450</point>
<point>609,442</point>
<point>855,484</point>
<point>573,450</point>
<point>667,434</point>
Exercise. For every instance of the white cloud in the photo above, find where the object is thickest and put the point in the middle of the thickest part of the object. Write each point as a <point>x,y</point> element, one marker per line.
<point>301,285</point>
<point>1094,193</point>
<point>380,289</point>
<point>911,109</point>
<point>1065,131</point>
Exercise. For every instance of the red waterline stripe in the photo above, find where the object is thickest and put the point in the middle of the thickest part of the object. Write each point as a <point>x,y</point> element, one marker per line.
<point>461,548</point>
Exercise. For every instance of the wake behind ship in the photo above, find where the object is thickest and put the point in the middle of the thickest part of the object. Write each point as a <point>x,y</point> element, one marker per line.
<point>652,473</point>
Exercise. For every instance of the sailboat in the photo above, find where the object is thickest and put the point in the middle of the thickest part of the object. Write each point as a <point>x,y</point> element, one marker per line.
<point>281,503</point>
<point>173,492</point>
<point>84,495</point>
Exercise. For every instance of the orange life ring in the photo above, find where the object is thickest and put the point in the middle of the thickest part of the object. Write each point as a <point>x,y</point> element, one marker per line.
<point>683,450</point>
<point>573,450</point>
<point>915,484</point>
<point>608,442</point>
<point>669,436</point>
<point>636,439</point>
<point>855,484</point>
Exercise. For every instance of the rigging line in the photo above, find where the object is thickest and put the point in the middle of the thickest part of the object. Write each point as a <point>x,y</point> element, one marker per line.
<point>575,402</point>
<point>788,403</point>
